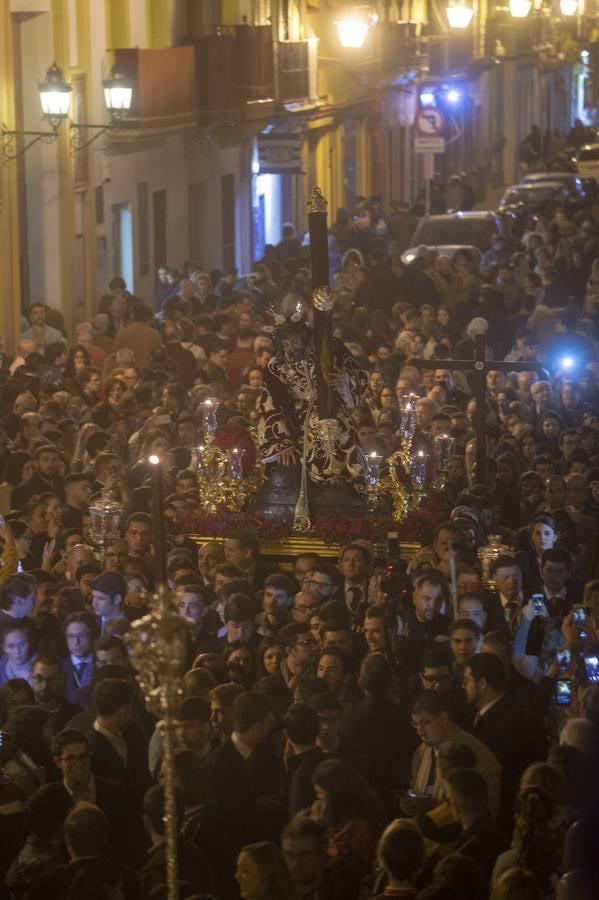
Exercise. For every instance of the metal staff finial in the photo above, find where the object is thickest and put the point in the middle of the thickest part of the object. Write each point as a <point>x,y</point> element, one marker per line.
<point>317,202</point>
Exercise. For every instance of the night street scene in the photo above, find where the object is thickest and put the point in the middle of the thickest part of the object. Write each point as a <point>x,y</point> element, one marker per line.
<point>299,450</point>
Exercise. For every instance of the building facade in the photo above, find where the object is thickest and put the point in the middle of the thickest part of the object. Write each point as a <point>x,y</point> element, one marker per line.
<point>239,108</point>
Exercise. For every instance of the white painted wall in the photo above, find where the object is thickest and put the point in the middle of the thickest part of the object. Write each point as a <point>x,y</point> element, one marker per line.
<point>40,165</point>
<point>166,165</point>
<point>138,24</point>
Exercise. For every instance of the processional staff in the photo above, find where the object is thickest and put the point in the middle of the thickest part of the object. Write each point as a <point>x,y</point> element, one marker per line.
<point>326,401</point>
<point>479,366</point>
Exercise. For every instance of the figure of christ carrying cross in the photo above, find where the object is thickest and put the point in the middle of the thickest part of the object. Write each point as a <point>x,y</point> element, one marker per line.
<point>479,367</point>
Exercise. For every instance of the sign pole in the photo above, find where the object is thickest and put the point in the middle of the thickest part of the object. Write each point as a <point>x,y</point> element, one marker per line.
<point>429,170</point>
<point>430,126</point>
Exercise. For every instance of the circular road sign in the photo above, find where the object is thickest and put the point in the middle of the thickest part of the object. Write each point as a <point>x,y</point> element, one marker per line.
<point>430,122</point>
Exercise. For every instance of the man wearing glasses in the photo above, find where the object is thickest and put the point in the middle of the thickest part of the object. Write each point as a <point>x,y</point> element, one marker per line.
<point>300,649</point>
<point>47,683</point>
<point>73,758</point>
<point>304,604</point>
<point>322,582</point>
<point>437,675</point>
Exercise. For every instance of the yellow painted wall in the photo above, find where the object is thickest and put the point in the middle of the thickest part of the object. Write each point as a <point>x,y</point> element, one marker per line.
<point>10,288</point>
<point>66,218</point>
<point>118,30</point>
<point>158,24</point>
<point>89,197</point>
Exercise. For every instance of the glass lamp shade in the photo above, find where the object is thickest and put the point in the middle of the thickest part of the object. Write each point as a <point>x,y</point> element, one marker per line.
<point>352,32</point>
<point>459,16</point>
<point>568,7</point>
<point>118,95</point>
<point>55,96</point>
<point>520,8</point>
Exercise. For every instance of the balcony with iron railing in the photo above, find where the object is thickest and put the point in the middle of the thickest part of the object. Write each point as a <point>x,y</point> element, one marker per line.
<point>240,72</point>
<point>241,66</point>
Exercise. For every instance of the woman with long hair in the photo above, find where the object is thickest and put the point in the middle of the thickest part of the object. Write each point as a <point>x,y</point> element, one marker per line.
<point>262,874</point>
<point>551,425</point>
<point>268,657</point>
<point>77,360</point>
<point>541,535</point>
<point>541,823</point>
<point>346,803</point>
<point>516,884</point>
<point>530,843</point>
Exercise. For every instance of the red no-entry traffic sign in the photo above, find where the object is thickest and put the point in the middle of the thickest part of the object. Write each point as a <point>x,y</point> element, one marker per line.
<point>430,122</point>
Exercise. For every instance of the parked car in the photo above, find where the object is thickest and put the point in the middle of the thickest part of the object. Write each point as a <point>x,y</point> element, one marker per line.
<point>449,250</point>
<point>587,161</point>
<point>534,197</point>
<point>459,229</point>
<point>570,181</point>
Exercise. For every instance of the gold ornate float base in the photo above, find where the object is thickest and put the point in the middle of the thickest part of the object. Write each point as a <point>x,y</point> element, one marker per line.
<point>288,549</point>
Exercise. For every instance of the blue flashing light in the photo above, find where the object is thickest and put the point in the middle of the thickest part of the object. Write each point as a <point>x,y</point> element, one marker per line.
<point>567,362</point>
<point>453,96</point>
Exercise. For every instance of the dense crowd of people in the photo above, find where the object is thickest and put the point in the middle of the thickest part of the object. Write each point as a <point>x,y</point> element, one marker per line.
<point>346,728</point>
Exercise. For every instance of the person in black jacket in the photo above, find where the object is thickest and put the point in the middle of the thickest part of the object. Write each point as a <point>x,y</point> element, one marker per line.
<point>379,729</point>
<point>242,769</point>
<point>301,727</point>
<point>515,740</point>
<point>193,866</point>
<point>202,824</point>
<point>481,839</point>
<point>85,834</point>
<point>117,745</point>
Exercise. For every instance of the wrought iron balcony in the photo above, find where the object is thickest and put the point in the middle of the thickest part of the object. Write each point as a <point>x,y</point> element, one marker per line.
<point>164,85</point>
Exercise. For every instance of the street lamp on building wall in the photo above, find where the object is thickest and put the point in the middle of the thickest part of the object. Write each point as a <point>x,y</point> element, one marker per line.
<point>353,27</point>
<point>519,9</point>
<point>568,7</point>
<point>459,15</point>
<point>55,98</point>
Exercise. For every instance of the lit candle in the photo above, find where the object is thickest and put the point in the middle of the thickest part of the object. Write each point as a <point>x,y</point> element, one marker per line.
<point>418,469</point>
<point>443,444</point>
<point>158,510</point>
<point>373,463</point>
<point>235,458</point>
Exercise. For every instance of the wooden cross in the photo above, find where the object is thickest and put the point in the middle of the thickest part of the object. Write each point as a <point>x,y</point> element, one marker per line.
<point>479,366</point>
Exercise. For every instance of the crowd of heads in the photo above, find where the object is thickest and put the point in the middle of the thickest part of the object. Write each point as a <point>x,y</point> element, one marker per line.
<point>349,724</point>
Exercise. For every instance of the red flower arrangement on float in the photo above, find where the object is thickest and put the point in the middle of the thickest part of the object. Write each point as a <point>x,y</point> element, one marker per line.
<point>418,526</point>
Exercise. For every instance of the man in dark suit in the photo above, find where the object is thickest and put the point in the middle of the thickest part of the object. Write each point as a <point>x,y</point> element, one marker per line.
<point>424,628</point>
<point>193,866</point>
<point>79,665</point>
<point>73,759</point>
<point>558,592</point>
<point>240,613</point>
<point>47,682</point>
<point>516,741</point>
<point>355,565</point>
<point>530,699</point>
<point>90,869</point>
<point>301,725</point>
<point>118,749</point>
<point>242,769</point>
<point>242,549</point>
<point>481,839</point>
